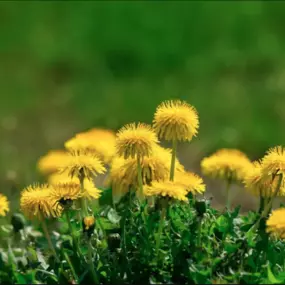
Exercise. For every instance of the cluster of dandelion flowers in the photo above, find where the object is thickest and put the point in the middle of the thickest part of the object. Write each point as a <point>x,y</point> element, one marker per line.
<point>276,223</point>
<point>64,193</point>
<point>124,172</point>
<point>259,185</point>
<point>154,167</point>
<point>4,205</point>
<point>191,181</point>
<point>274,162</point>
<point>50,162</point>
<point>135,140</point>
<point>168,189</point>
<point>82,162</point>
<point>228,164</point>
<point>36,202</point>
<point>100,141</point>
<point>176,121</point>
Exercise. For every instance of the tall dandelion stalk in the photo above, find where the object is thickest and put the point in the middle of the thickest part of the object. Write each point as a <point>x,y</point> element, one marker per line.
<point>47,235</point>
<point>136,141</point>
<point>175,121</point>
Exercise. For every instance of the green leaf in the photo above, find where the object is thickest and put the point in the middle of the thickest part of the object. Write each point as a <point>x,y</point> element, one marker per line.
<point>113,216</point>
<point>106,197</point>
<point>231,247</point>
<point>272,279</point>
<point>222,224</point>
<point>21,278</point>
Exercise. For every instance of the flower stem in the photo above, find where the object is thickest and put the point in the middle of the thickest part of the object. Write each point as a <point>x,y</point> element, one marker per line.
<point>173,157</point>
<point>90,263</point>
<point>140,182</point>
<point>262,202</point>
<point>199,232</point>
<point>71,267</point>
<point>75,243</point>
<point>44,225</point>
<point>269,204</point>
<point>83,201</point>
<point>161,222</point>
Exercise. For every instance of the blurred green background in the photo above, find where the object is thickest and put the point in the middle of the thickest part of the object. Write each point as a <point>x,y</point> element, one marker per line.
<point>69,66</point>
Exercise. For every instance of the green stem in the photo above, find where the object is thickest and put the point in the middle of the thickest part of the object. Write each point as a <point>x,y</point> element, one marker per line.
<point>140,182</point>
<point>161,222</point>
<point>173,157</point>
<point>199,232</point>
<point>71,267</point>
<point>83,201</point>
<point>261,202</point>
<point>269,204</point>
<point>47,235</point>
<point>75,243</point>
<point>228,194</point>
<point>90,263</point>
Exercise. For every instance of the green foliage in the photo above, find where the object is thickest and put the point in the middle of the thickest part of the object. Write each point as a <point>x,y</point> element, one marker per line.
<point>198,244</point>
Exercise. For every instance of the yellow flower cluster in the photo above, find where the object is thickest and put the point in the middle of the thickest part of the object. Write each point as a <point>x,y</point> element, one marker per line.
<point>141,160</point>
<point>138,162</point>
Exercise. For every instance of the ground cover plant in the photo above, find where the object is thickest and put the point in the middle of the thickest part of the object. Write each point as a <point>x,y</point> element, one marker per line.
<point>151,222</point>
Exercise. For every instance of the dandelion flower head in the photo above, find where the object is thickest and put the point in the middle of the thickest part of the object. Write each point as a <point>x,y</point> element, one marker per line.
<point>276,223</point>
<point>100,141</point>
<point>135,140</point>
<point>176,120</point>
<point>36,202</point>
<point>259,185</point>
<point>62,193</point>
<point>191,181</point>
<point>274,162</point>
<point>4,205</point>
<point>82,162</point>
<point>90,191</point>
<point>50,162</point>
<point>166,189</point>
<point>229,164</point>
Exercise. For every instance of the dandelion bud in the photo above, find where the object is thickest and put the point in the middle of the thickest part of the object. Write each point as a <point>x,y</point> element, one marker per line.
<point>88,225</point>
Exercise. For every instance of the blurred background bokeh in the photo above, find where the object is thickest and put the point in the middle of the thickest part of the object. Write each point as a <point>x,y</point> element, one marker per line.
<point>67,66</point>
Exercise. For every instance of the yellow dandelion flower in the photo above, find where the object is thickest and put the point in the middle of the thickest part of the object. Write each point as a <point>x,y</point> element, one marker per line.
<point>90,191</point>
<point>166,189</point>
<point>229,164</point>
<point>64,193</point>
<point>4,205</point>
<point>89,222</point>
<point>100,141</point>
<point>191,181</point>
<point>260,186</point>
<point>117,177</point>
<point>58,177</point>
<point>176,120</point>
<point>274,162</point>
<point>82,161</point>
<point>49,163</point>
<point>124,172</point>
<point>276,223</point>
<point>135,141</point>
<point>36,202</point>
